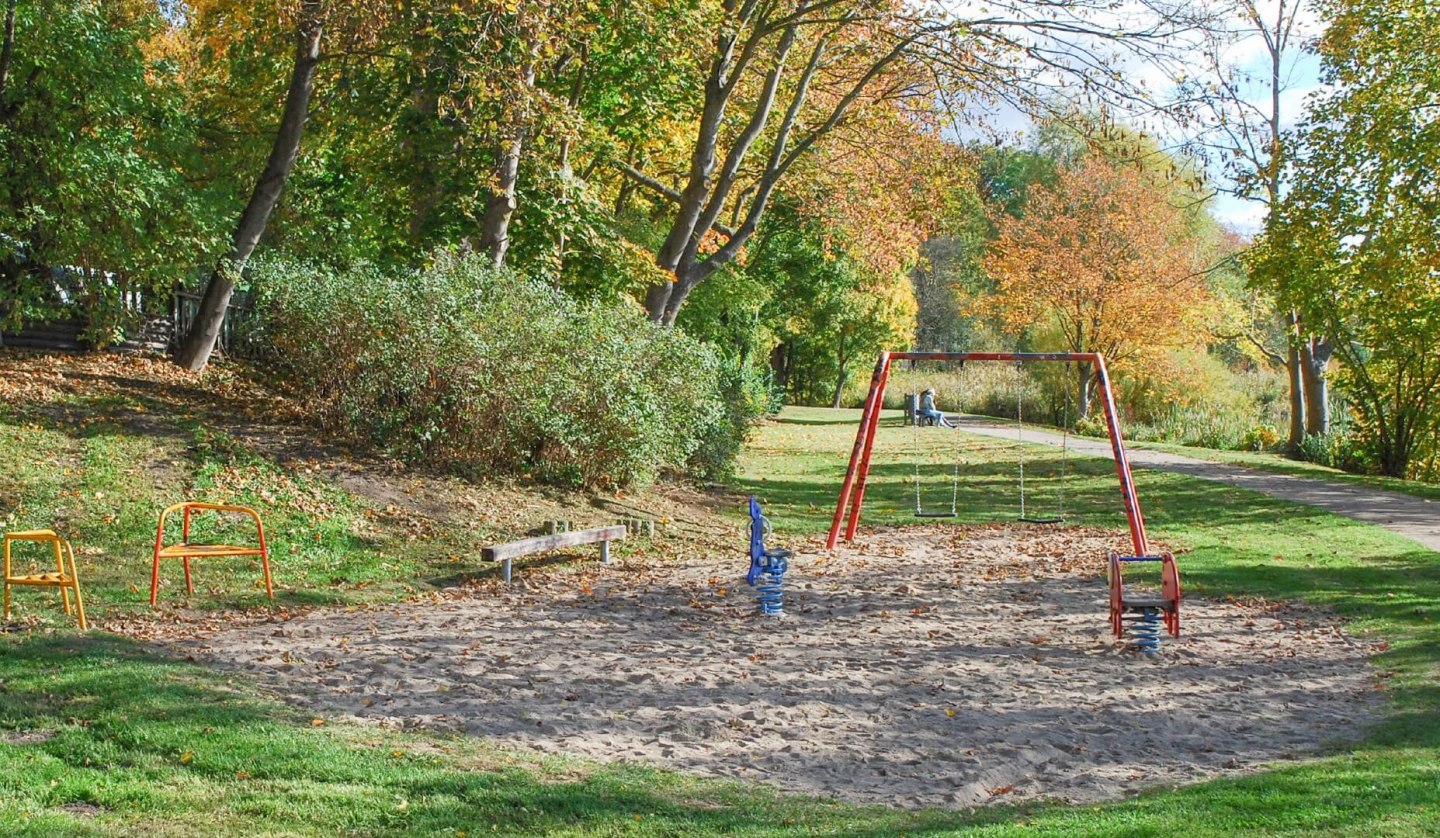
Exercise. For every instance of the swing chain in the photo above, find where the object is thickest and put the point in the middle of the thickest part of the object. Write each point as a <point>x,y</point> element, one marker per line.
<point>1020,434</point>
<point>1064,440</point>
<point>954,473</point>
<point>1020,439</point>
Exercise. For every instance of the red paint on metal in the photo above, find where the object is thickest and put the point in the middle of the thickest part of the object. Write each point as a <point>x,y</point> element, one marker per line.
<point>1122,462</point>
<point>1170,592</point>
<point>871,400</point>
<point>864,476</point>
<point>1117,595</point>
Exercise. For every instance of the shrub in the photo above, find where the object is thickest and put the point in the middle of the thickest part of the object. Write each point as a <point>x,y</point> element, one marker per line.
<point>458,364</point>
<point>1337,449</point>
<point>748,394</point>
<point>1259,438</point>
<point>1094,425</point>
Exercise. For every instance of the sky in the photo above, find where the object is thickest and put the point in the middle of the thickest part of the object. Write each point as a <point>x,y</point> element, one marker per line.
<point>1247,54</point>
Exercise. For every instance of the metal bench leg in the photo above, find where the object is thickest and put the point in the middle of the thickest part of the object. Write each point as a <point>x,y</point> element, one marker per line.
<point>605,552</point>
<point>505,571</point>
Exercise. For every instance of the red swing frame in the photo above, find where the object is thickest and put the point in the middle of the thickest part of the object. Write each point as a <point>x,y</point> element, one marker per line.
<point>852,491</point>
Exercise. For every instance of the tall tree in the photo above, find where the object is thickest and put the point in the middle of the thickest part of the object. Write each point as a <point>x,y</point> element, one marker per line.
<point>1353,244</point>
<point>95,134</point>
<point>1244,113</point>
<point>204,332</point>
<point>1105,259</point>
<point>782,77</point>
<point>828,303</point>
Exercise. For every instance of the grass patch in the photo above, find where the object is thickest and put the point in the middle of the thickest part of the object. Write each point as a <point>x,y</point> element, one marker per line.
<point>101,484</point>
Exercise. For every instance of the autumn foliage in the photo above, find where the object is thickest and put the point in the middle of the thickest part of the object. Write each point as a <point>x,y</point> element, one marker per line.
<point>1102,260</point>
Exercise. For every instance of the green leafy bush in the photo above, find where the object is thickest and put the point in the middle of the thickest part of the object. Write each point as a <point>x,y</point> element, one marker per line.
<point>1093,425</point>
<point>748,394</point>
<point>1259,438</point>
<point>1338,449</point>
<point>461,365</point>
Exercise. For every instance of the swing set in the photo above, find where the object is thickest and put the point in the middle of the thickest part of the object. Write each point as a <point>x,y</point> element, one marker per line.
<point>1025,516</point>
<point>1138,618</point>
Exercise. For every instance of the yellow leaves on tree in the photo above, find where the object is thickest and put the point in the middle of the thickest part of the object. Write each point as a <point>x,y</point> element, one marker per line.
<point>1104,260</point>
<point>880,183</point>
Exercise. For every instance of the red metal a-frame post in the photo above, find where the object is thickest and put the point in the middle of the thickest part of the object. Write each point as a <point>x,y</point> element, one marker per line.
<point>852,491</point>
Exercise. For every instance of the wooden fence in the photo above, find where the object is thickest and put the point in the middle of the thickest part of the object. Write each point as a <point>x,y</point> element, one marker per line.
<point>185,304</point>
<point>153,333</point>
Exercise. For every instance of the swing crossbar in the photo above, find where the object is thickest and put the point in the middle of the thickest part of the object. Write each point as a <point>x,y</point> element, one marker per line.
<point>852,490</point>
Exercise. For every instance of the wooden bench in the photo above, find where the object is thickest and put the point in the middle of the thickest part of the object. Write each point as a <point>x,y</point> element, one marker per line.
<point>543,543</point>
<point>185,551</point>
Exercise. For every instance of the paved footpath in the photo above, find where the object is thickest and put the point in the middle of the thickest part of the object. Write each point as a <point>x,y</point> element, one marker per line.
<point>1418,519</point>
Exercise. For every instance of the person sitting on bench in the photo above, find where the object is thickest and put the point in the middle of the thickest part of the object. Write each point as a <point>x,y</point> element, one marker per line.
<point>929,412</point>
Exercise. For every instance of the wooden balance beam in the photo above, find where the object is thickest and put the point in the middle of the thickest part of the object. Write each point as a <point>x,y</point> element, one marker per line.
<point>543,543</point>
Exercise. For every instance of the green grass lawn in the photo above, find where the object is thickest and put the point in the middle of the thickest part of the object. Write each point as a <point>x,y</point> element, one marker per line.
<point>1268,461</point>
<point>101,735</point>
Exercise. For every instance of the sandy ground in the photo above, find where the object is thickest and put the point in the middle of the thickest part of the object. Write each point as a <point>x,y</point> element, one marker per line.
<point>934,666</point>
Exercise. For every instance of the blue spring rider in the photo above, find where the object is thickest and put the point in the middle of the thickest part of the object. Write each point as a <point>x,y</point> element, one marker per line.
<point>767,565</point>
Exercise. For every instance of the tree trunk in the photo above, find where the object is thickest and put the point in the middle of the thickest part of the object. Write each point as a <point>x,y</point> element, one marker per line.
<point>1395,449</point>
<point>780,365</point>
<point>418,144</point>
<point>495,234</point>
<point>684,283</point>
<point>567,173</point>
<point>1084,375</point>
<point>1297,384</point>
<point>698,182</point>
<point>1315,357</point>
<point>199,343</point>
<point>840,384</point>
<point>7,52</point>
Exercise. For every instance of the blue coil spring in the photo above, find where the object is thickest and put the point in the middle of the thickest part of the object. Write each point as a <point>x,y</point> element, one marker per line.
<point>772,595</point>
<point>1143,631</point>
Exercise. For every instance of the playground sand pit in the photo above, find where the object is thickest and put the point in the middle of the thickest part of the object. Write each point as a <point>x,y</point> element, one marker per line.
<point>940,666</point>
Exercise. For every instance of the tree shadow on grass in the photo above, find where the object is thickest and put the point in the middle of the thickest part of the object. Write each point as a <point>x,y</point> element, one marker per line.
<point>848,418</point>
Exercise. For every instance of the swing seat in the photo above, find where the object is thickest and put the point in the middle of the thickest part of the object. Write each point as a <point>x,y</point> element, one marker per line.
<point>920,514</point>
<point>1054,519</point>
